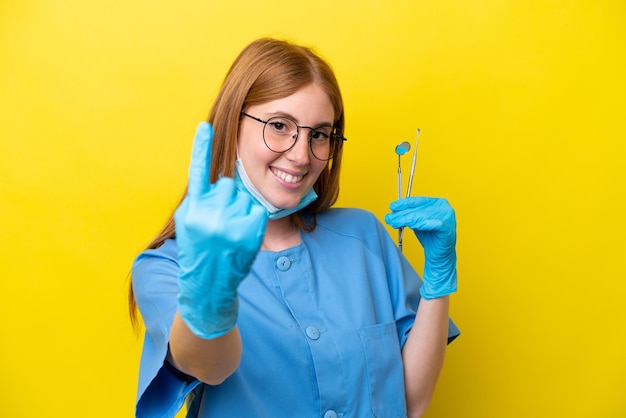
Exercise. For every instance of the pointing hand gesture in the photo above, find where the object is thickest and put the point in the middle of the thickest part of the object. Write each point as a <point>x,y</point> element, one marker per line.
<point>219,232</point>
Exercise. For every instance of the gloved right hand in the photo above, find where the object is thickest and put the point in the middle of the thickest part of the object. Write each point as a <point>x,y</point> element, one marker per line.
<point>219,232</point>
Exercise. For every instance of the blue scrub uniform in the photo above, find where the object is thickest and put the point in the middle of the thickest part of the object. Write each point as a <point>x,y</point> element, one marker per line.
<point>322,324</point>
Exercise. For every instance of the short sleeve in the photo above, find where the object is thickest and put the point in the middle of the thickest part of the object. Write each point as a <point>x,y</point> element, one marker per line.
<point>404,284</point>
<point>412,284</point>
<point>161,392</point>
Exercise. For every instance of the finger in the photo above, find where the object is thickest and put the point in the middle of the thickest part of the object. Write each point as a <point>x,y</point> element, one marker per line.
<point>395,221</point>
<point>225,195</point>
<point>200,165</point>
<point>255,219</point>
<point>411,202</point>
<point>413,221</point>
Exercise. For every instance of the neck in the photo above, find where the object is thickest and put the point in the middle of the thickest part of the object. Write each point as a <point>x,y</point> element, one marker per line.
<point>280,234</point>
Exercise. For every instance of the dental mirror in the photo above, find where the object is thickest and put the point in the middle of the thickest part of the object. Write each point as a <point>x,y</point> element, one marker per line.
<point>401,149</point>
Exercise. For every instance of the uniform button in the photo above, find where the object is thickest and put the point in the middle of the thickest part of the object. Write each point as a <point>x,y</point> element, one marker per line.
<point>330,414</point>
<point>283,263</point>
<point>312,333</point>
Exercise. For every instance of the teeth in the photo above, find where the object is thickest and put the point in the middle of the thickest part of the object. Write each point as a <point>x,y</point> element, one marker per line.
<point>287,177</point>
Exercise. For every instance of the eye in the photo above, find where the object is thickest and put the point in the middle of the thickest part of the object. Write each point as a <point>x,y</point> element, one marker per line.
<point>280,126</point>
<point>319,136</point>
<point>277,126</point>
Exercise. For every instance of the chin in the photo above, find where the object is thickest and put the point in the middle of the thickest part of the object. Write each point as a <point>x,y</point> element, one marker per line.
<point>286,203</point>
<point>289,205</point>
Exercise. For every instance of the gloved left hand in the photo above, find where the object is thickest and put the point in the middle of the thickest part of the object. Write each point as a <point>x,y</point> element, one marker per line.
<point>434,223</point>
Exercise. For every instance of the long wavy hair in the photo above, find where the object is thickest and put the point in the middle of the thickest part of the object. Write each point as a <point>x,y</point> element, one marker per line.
<point>266,70</point>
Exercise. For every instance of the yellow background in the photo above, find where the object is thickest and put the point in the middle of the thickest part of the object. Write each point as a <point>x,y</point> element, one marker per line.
<point>522,109</point>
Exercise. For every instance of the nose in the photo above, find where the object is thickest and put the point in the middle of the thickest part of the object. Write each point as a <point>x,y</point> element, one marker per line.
<point>300,152</point>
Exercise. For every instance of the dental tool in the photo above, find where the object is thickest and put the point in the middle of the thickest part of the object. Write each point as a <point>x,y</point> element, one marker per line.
<point>417,138</point>
<point>402,149</point>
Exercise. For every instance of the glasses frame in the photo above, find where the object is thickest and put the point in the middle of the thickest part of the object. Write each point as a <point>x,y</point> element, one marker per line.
<point>334,136</point>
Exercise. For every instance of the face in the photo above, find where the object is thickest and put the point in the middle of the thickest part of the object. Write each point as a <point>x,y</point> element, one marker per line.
<point>285,178</point>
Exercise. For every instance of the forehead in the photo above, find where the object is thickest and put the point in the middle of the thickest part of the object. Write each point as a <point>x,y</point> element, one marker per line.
<point>310,104</point>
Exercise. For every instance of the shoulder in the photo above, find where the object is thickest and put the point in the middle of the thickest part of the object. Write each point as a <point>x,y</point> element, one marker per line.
<point>347,220</point>
<point>167,251</point>
<point>355,223</point>
<point>156,263</point>
<point>355,234</point>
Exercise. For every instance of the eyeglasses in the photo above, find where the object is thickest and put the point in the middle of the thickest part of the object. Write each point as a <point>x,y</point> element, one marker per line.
<point>280,134</point>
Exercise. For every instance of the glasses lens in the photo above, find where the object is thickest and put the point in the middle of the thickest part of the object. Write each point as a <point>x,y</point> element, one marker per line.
<point>280,134</point>
<point>322,145</point>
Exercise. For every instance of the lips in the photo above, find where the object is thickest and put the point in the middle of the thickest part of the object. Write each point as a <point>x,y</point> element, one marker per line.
<point>286,177</point>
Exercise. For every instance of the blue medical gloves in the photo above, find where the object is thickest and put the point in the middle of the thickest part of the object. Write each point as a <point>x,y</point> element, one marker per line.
<point>219,231</point>
<point>433,222</point>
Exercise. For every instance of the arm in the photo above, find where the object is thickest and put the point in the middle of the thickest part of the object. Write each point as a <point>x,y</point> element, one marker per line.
<point>209,360</point>
<point>434,223</point>
<point>218,233</point>
<point>423,354</point>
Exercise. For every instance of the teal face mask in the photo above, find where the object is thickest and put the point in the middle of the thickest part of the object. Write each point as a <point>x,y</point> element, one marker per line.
<point>243,183</point>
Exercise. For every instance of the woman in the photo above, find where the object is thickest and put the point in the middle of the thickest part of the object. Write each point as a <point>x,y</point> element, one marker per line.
<point>259,300</point>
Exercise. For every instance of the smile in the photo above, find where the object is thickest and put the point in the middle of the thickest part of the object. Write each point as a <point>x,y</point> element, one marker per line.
<point>288,178</point>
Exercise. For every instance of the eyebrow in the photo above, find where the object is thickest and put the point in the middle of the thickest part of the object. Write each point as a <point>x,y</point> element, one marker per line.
<point>290,116</point>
